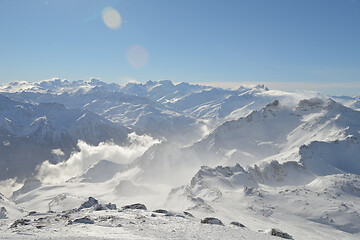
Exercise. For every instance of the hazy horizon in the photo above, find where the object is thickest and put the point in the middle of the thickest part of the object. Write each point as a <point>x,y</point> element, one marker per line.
<point>286,45</point>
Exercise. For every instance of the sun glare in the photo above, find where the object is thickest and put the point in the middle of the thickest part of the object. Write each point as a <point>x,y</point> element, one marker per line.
<point>111,18</point>
<point>137,56</point>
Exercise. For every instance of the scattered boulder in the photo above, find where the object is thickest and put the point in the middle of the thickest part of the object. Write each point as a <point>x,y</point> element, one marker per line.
<point>212,220</point>
<point>279,233</point>
<point>20,222</point>
<point>32,213</point>
<point>188,214</point>
<point>84,220</point>
<point>89,203</point>
<point>135,206</point>
<point>161,211</point>
<point>237,224</point>
<point>111,206</point>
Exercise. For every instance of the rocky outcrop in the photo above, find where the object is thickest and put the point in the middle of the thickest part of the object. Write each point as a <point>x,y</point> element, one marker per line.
<point>279,233</point>
<point>89,203</point>
<point>135,206</point>
<point>212,220</point>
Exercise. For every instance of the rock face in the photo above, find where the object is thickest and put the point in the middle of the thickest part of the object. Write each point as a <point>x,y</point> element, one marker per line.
<point>89,203</point>
<point>92,202</point>
<point>212,220</point>
<point>135,206</point>
<point>3,213</point>
<point>279,233</point>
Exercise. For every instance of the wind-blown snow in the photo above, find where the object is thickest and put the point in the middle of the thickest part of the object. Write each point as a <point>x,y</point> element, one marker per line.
<point>89,155</point>
<point>262,158</point>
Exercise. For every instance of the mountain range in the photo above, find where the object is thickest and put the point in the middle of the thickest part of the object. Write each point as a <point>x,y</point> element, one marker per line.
<point>265,158</point>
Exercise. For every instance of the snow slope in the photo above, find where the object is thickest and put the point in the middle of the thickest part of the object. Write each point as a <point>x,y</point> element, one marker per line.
<point>9,210</point>
<point>326,208</point>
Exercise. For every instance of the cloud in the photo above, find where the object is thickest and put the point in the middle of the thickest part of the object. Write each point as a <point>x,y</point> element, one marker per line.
<point>88,155</point>
<point>8,186</point>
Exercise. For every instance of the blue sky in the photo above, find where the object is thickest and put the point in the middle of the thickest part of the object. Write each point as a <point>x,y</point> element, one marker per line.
<point>315,43</point>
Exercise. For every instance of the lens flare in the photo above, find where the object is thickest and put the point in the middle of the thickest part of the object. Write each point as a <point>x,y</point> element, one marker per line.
<point>111,18</point>
<point>137,56</point>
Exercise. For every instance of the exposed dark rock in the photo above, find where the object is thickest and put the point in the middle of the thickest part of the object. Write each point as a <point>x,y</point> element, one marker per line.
<point>20,222</point>
<point>188,214</point>
<point>32,213</point>
<point>84,220</point>
<point>3,212</point>
<point>237,224</point>
<point>279,233</point>
<point>212,220</point>
<point>135,206</point>
<point>89,203</point>
<point>92,202</point>
<point>160,211</point>
<point>99,207</point>
<point>111,206</point>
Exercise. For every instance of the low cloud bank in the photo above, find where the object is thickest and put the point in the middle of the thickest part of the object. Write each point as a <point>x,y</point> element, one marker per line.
<point>79,161</point>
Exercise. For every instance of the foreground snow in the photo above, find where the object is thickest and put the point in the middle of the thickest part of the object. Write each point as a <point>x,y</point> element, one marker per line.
<point>120,224</point>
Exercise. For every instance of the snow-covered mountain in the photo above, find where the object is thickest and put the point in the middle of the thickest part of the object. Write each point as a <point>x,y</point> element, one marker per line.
<point>261,158</point>
<point>352,102</point>
<point>158,108</point>
<point>33,133</point>
<point>279,129</point>
<point>319,135</point>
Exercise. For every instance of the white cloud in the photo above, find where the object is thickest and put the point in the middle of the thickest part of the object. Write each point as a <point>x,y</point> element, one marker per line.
<point>88,155</point>
<point>8,186</point>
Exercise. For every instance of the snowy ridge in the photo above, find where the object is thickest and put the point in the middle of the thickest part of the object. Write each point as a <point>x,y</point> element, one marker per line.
<point>261,158</point>
<point>158,108</point>
<point>9,210</point>
<point>42,128</point>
